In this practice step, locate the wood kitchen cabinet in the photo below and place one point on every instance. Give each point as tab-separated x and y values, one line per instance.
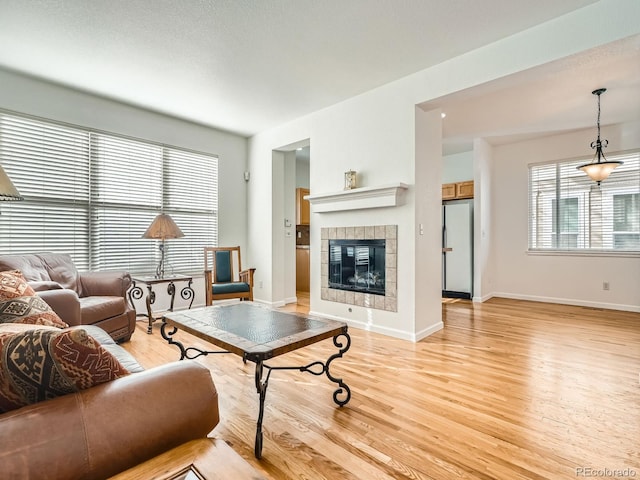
302	269
449	191
458	190
464	189
303	213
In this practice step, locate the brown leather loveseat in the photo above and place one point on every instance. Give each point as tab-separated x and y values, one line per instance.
106	429
87	298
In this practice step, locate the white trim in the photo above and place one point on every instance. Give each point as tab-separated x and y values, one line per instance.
390	332
359	198
570	301
584	253
276	304
482	299
428	331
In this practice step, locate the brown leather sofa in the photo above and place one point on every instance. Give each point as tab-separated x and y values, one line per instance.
87	298
111	427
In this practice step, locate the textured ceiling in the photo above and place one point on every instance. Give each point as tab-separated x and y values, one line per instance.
248	65
546	100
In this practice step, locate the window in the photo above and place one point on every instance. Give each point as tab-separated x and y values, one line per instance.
626	221
565	228
569	211
93	195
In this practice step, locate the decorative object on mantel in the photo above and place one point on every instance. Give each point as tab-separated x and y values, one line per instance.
350	180
600	168
7	190
162	228
359	198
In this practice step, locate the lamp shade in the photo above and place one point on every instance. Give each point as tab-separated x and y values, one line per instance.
7	190
599	171
163	227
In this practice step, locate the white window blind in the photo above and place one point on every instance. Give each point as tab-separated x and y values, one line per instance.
93	195
569	211
49	164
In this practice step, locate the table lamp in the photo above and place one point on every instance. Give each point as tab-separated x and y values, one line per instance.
162	228
7	190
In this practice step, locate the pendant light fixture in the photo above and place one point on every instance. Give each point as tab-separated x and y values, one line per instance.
600	167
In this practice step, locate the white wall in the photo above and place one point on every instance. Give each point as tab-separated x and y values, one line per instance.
375	134
555	278
261	208
457	167
35	97
289	207
428	219
483	226
302	171
31	96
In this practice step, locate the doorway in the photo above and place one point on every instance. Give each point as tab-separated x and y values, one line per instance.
303	225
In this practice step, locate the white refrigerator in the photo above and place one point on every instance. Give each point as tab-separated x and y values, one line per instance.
457	249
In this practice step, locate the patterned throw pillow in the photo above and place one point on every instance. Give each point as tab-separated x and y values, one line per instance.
20	304
44	363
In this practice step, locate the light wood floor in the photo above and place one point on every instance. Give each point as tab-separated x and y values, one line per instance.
507	390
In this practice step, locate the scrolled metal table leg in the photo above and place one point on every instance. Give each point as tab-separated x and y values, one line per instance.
171	291
150	300
135	293
187	293
342	389
261	387
168	336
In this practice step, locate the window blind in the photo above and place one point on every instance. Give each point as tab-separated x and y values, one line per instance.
569	211
93	195
191	198
49	165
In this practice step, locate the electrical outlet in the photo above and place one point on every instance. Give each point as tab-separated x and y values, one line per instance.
605	285
260	284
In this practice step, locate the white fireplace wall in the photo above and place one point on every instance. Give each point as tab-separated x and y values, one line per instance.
375	134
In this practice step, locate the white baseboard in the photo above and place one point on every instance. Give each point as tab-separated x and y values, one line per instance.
482	299
569	301
391	332
278	304
428	331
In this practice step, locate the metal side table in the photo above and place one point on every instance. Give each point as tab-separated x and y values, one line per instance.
136	292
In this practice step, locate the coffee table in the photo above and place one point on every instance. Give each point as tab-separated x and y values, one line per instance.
257	333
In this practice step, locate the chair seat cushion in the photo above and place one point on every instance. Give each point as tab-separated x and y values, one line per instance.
234	287
95	309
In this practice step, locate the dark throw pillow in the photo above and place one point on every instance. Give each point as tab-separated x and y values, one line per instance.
19	303
45	363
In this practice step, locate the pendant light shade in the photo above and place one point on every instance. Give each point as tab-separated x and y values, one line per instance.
600	168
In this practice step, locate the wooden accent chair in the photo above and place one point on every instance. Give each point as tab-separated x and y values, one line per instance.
222	279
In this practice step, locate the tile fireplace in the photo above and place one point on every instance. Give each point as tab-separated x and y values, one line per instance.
359	266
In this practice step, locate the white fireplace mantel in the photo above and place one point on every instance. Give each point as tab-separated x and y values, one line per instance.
359	198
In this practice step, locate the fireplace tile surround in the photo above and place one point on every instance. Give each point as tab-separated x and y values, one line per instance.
388	301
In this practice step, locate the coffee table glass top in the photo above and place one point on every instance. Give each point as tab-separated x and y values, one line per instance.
249	329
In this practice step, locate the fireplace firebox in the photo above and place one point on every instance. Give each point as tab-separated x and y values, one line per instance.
357	265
